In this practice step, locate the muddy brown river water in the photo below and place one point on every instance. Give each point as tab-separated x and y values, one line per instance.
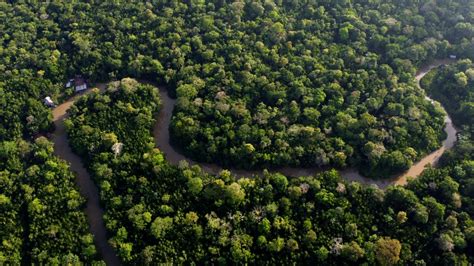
87	187
90	191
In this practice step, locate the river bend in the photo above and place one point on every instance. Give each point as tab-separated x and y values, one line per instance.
162	140
90	191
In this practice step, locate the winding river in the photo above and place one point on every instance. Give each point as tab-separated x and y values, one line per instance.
90	191
162	140
87	187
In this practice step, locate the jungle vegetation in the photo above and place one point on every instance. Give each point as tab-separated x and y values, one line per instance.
258	84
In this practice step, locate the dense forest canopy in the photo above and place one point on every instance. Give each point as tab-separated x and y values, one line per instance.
453	85
40	208
157	212
271	83
258	84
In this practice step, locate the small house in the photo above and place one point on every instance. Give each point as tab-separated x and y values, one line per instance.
49	102
79	84
452	57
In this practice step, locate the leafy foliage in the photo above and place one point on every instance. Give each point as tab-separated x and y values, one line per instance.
258	83
453	85
159	213
262	83
40	207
